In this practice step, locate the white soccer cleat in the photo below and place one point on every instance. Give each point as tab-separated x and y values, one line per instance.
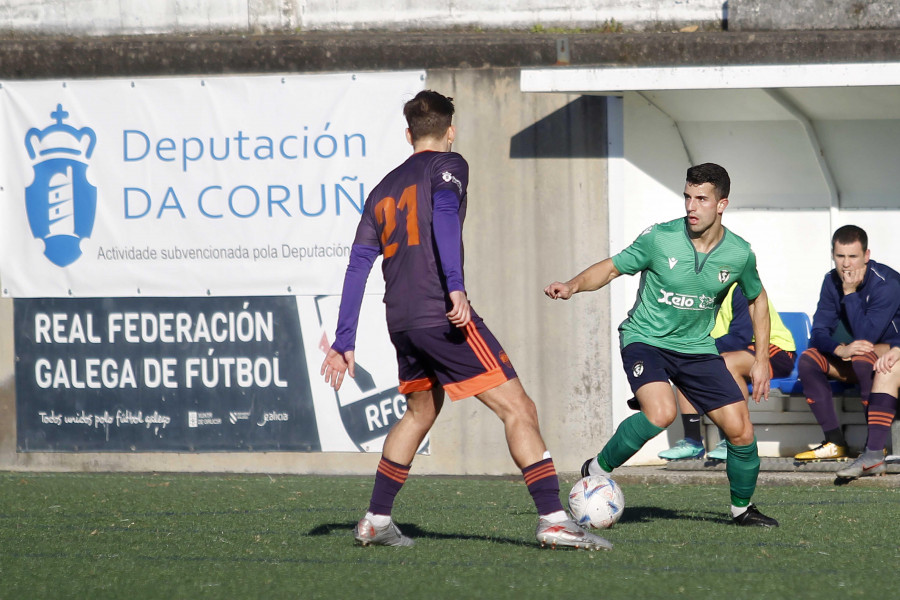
368	535
824	451
567	534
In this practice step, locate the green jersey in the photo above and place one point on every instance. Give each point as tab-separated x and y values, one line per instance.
681	289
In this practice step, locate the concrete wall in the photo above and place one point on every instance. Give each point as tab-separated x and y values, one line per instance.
129	17
106	17
537	209
765	15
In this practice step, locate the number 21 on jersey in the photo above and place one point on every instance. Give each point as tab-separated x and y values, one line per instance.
386	215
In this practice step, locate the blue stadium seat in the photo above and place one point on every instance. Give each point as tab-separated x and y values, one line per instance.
799	325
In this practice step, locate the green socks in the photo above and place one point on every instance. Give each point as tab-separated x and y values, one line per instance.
632	434
742	468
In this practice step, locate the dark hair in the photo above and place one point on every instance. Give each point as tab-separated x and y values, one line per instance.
429	114
849	234
710	173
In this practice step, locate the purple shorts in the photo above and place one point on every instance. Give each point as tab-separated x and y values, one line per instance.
781	362
703	378
465	362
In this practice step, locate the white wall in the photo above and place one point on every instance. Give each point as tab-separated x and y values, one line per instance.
104	17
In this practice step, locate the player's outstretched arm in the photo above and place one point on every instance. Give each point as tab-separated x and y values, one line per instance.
593	278
335	365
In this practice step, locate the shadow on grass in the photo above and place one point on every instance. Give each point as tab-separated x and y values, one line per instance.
646	514
416	532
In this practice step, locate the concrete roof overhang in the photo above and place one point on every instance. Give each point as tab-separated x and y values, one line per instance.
806	136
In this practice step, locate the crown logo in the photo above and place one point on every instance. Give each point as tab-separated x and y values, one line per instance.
60	140
60	203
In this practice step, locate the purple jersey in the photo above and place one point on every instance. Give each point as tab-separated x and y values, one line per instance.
397	218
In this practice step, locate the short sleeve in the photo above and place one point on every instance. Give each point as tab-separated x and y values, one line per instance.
749	280
636	257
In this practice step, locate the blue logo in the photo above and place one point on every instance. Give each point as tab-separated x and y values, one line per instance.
61	204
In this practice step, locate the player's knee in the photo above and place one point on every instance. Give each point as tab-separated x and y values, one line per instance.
526	410
661	416
809	366
742	439
741	433
514	408
422	418
424	406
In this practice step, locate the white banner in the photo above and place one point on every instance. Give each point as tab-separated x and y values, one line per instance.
194	186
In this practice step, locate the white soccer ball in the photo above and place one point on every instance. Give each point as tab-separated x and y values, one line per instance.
596	502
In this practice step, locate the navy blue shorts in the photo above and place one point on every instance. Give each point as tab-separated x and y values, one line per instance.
465	362
703	378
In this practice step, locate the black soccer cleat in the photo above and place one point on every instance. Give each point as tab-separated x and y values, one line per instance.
753	518
585	472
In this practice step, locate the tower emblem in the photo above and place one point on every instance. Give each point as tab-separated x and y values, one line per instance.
61	203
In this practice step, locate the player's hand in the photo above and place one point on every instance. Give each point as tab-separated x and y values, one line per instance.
558	290
886	362
461	313
335	365
759	377
852	279
854	348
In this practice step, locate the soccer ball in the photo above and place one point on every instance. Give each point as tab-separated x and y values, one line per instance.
596	502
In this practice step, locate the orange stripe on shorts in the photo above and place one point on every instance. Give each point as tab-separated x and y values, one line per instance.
476	385
416	385
480	347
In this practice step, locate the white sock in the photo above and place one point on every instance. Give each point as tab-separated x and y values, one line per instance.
595	469
556	517
737	511
378	521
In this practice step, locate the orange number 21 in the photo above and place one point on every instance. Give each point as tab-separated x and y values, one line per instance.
386	214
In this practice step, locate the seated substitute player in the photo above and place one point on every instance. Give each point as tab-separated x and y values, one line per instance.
414	218
879	416
858	312
686	266
733	334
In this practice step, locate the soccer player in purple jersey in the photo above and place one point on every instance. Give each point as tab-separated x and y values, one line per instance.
414	218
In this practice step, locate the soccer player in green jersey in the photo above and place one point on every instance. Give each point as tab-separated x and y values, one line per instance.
686	266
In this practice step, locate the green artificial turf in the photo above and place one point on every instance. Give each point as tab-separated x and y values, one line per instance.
249	536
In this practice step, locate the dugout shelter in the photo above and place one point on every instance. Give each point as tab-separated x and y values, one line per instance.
809	147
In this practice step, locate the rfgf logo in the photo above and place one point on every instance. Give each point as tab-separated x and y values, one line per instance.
60	203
